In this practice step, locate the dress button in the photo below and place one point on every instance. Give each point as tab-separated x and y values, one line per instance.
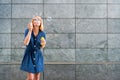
34	52
34	45
35	38
34	65
33	58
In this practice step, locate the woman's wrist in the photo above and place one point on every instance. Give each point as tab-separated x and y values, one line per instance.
30	31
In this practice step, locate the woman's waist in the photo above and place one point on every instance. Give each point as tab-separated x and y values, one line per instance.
32	50
33	47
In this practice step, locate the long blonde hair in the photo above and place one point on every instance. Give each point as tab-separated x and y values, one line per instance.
41	22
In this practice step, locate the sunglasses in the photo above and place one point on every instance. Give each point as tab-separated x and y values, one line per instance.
36	19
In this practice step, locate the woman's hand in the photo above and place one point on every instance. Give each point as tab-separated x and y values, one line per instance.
43	42
30	26
27	38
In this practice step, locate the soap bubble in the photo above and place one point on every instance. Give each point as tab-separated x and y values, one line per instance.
40	14
37	14
49	18
33	16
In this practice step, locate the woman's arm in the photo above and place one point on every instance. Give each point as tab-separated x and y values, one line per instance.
27	38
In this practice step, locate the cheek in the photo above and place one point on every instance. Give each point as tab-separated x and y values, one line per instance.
38	22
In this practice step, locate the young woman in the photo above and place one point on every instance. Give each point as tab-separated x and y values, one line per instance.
35	39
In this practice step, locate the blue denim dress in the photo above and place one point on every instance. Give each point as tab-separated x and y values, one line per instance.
33	61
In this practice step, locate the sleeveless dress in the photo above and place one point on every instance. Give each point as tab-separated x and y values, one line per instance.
33	61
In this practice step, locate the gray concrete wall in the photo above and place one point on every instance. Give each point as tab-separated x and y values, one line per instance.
83	38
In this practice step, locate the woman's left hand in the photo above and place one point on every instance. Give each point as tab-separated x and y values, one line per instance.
43	43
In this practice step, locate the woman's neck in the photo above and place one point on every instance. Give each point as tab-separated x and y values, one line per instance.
36	29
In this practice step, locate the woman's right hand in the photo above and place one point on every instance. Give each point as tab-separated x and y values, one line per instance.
30	26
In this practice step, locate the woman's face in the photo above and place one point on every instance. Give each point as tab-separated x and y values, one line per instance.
36	21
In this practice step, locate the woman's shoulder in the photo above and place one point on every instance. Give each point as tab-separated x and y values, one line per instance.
26	30
43	32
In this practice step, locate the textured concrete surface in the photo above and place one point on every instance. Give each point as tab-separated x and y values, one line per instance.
83	38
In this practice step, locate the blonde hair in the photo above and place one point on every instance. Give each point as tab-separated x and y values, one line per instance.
41	22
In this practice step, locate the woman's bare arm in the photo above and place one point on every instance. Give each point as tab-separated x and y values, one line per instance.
27	38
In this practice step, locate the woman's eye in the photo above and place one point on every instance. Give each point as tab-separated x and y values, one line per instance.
36	19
